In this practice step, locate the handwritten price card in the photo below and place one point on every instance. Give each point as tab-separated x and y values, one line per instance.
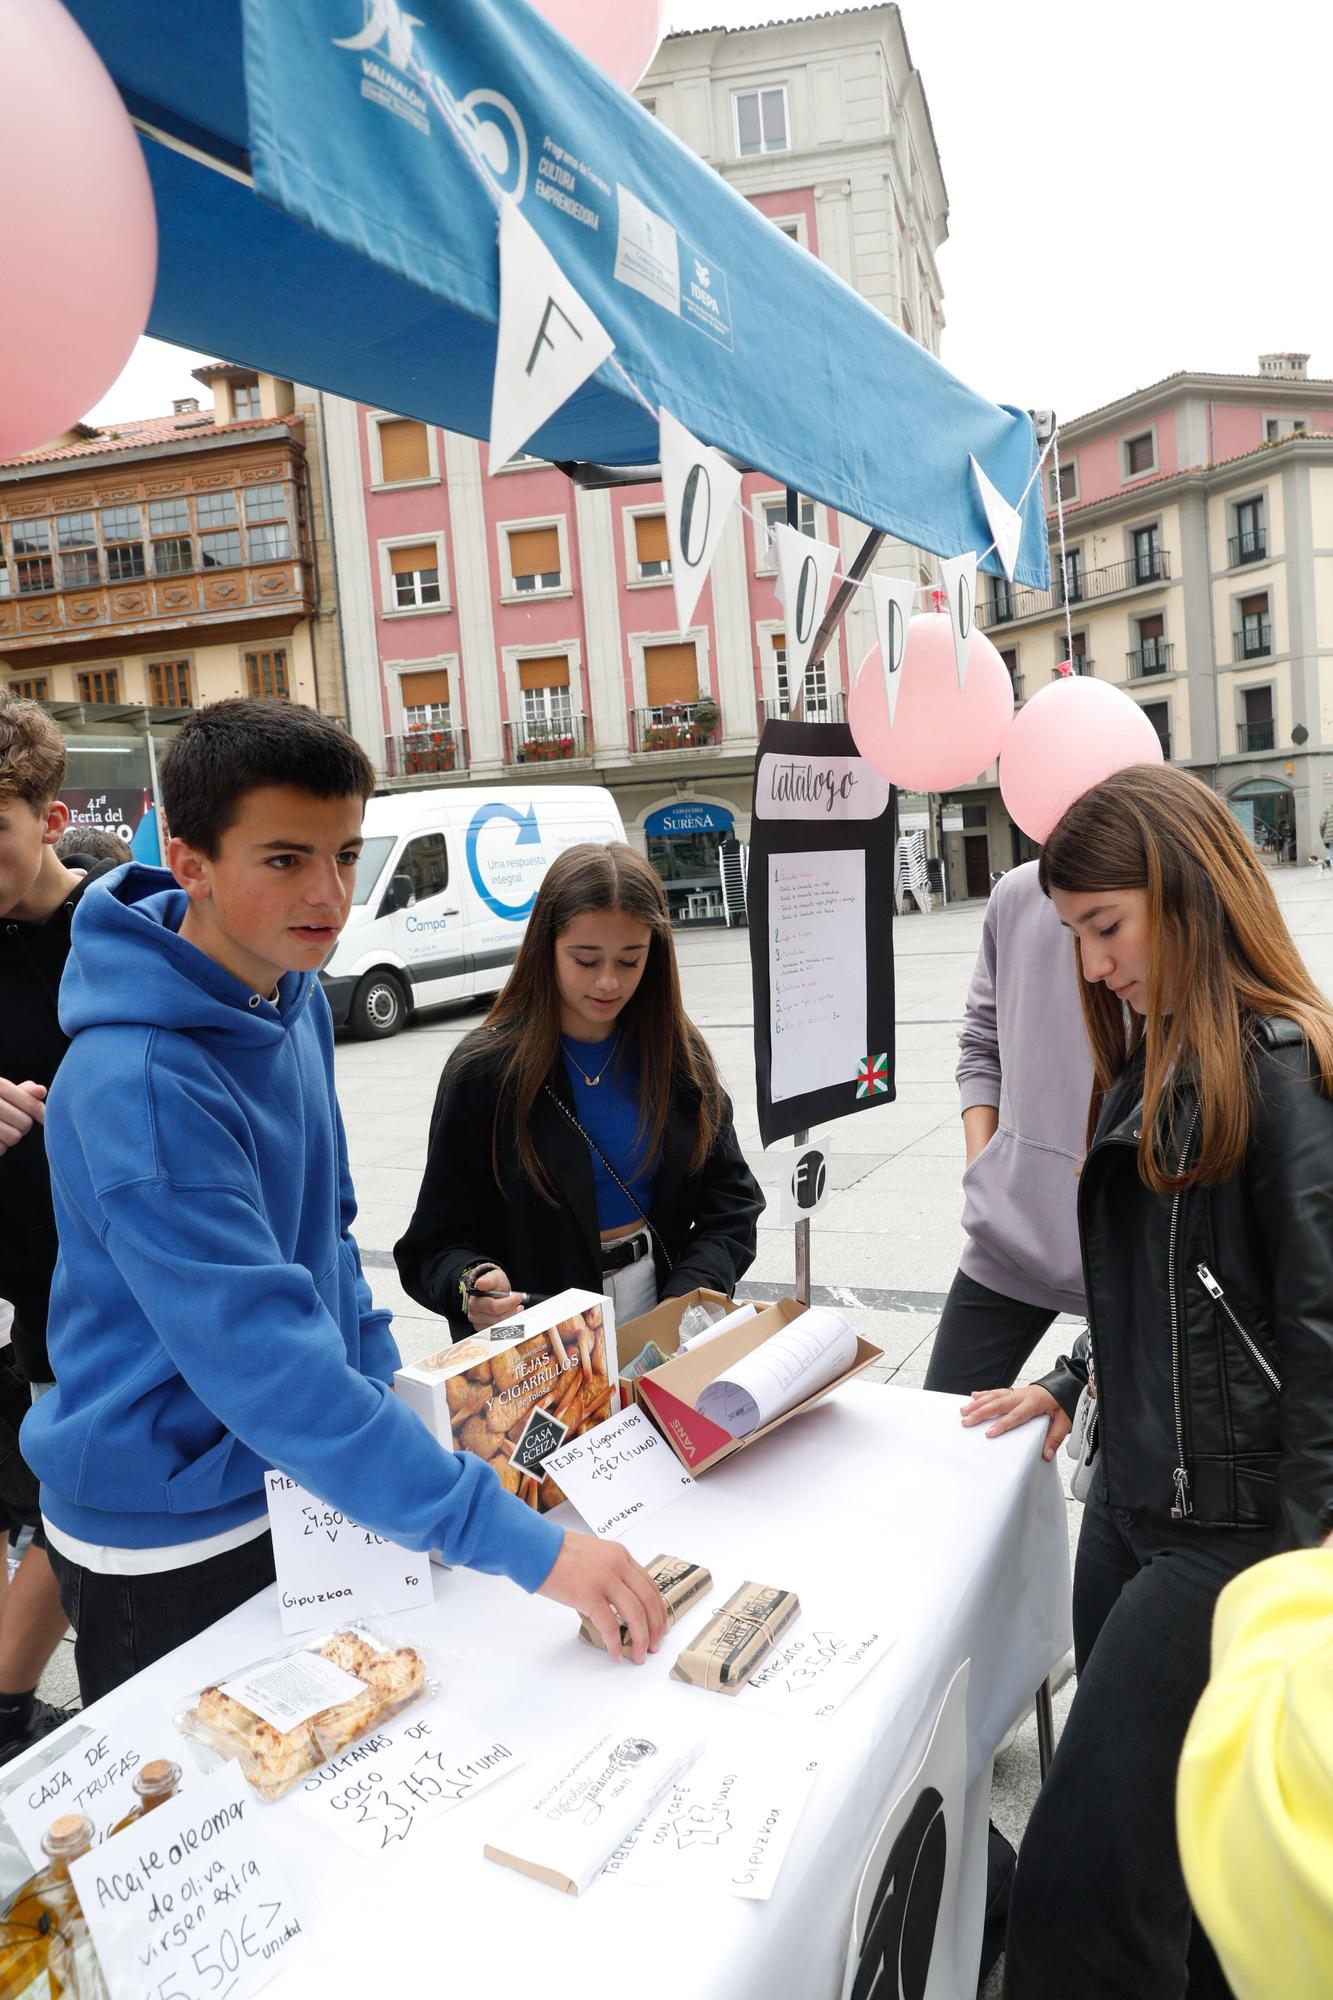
330	1568
619	1473
725	1826
377	1794
191	1901
95	1776
813	1671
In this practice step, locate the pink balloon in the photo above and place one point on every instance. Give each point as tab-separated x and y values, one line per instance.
78	235
1068	738
941	735
620	36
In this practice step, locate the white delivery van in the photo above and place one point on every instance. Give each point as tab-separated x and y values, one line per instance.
444	886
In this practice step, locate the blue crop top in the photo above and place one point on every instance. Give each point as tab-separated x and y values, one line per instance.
609	1112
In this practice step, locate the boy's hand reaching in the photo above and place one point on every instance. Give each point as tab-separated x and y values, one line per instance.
602	1581
22	1105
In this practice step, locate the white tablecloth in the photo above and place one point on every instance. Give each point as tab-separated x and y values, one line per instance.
877	1495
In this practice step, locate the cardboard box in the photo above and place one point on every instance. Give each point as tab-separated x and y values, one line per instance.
668	1394
662	1324
520	1390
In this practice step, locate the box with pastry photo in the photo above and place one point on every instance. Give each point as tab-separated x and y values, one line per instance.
518	1391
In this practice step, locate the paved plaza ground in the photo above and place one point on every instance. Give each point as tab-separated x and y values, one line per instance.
885	1247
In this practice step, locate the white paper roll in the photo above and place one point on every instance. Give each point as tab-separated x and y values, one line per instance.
804	1358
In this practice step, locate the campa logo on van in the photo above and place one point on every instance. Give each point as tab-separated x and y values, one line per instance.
395	76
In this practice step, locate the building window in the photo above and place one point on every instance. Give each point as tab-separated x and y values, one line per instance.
173	556
99	685
1063	480
215	510
220	551
124	562
33	574
814	693
1250	542
671	675
30	538
265	503
1276	427
544	687
1159	714
31	690
1139	454
1077	654
1147	554
761	121
270	543
404	451
76	531
168	517
79	569
1256	627
534	558
245	400
1073	590
426	700
266	676
651	548
121	524
169	683
416	575
775	515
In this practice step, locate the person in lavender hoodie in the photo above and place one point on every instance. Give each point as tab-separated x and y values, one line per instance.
1024	1080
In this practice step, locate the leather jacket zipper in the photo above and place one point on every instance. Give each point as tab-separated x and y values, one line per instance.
1182	1506
1218	1296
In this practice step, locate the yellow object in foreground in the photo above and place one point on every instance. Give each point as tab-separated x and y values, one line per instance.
1255	1794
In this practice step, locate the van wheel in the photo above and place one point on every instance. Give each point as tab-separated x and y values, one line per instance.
378	1008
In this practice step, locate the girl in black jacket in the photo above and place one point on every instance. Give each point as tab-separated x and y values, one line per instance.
582	1136
1206	1219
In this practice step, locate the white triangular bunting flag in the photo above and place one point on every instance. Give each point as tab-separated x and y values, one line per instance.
894	599
1006	523
700	488
960	588
805	571
549	342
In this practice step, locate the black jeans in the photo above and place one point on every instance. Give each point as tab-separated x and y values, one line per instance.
982	1339
1099	1908
123	1623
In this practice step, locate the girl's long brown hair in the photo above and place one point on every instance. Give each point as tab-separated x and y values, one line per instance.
1217	944
653	1024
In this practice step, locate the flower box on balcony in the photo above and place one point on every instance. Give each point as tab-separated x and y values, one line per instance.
544	752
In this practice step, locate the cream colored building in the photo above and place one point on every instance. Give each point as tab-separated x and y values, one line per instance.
1198	538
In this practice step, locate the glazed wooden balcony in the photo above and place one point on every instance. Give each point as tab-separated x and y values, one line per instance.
150	603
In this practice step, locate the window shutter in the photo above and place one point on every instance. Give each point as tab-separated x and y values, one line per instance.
426	690
650	538
1151	628
550	672
671	673
1256	606
534	552
404	561
404	451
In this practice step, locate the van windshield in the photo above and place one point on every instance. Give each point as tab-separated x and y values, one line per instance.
373	857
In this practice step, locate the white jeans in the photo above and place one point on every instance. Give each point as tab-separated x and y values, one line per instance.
632	1291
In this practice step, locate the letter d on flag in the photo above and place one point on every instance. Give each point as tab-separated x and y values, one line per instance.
894	600
960	587
549	342
700	488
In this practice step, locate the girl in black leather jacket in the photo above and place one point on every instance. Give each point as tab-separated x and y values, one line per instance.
1206	1219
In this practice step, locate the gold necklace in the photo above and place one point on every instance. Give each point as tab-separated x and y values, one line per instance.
590	1080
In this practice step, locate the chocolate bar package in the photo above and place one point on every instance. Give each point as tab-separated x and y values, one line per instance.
593	1803
681	1584
737	1638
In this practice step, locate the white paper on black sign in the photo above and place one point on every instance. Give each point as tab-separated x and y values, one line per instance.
700	489
960	586
894	600
805	571
330	1568
549	341
1006	523
192	1901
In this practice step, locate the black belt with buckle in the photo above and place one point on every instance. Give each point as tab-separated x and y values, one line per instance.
625	1251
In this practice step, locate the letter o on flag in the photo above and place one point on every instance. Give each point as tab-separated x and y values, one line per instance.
964	608
696	513
805	601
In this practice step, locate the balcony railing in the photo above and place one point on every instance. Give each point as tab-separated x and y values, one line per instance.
547	742
1250	546
815	708
1253	642
1008	604
676	725
1154	656
425	753
142	605
1254	736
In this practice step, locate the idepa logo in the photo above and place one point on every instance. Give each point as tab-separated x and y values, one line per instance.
394	76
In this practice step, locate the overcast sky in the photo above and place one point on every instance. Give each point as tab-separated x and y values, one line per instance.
1130	192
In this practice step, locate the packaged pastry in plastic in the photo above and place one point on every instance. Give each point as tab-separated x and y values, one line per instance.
285	1716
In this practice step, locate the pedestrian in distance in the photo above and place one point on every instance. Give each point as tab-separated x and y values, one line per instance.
1206	1218
209	1317
582	1135
1326	831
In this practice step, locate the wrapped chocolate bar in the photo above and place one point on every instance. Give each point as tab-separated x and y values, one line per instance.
681	1584
737	1638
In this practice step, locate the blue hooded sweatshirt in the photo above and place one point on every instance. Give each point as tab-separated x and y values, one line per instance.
209	1317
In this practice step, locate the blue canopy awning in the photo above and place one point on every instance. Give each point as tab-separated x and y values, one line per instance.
327	175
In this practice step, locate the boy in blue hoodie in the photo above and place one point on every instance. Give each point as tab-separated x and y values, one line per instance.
209	1317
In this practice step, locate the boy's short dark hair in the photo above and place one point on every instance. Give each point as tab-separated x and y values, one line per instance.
232	747
32	754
